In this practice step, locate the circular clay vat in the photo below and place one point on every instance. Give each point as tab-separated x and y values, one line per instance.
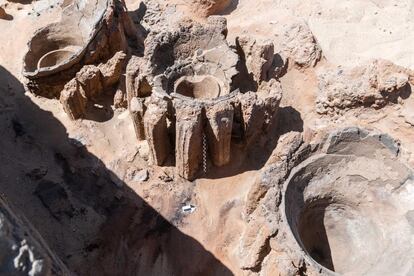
51	47
60	45
351	209
56	57
198	87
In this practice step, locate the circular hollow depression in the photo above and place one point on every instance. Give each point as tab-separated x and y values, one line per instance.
198	87
345	214
51	47
55	57
331	232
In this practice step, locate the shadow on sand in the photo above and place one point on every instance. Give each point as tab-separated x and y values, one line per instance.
69	196
288	119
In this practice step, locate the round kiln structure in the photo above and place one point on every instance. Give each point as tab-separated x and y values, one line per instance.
184	102
87	33
350	208
191	111
60	45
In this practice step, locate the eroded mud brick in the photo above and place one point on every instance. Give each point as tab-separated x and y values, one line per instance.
156	132
73	100
137	110
218	131
189	140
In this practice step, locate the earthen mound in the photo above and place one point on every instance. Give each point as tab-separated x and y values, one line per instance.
374	84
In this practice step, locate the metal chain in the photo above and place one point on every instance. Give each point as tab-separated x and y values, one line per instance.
204	153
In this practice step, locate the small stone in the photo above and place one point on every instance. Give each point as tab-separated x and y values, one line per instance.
300	45
165	178
141	176
143	150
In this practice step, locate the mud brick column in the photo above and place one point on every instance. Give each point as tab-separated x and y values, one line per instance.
156	132
189	139
218	131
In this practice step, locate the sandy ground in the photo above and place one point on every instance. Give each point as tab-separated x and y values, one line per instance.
348	31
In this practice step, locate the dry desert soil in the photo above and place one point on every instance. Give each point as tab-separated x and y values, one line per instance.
206	137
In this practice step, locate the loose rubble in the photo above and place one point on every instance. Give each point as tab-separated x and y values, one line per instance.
375	85
300	45
22	250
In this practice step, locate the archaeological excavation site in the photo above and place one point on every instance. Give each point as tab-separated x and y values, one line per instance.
206	137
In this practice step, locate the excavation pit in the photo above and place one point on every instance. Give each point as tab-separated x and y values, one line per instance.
348	208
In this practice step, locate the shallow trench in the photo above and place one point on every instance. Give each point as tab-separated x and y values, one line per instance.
350	209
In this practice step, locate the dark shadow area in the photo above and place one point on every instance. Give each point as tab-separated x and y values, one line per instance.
279	66
244	80
312	233
139	13
404	93
24	2
307	220
137	16
5	16
287	119
94	226
232	7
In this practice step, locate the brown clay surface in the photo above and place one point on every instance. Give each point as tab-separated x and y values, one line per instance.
124	216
